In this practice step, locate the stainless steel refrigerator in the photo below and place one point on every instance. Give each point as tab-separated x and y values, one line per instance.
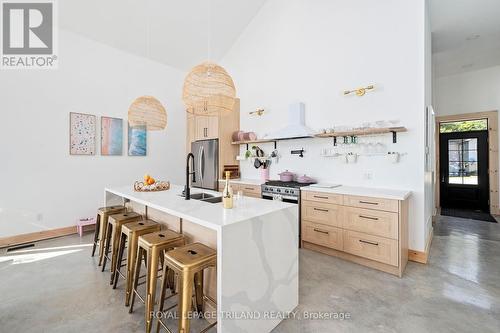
206	164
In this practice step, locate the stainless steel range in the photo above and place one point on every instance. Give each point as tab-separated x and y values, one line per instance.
284	191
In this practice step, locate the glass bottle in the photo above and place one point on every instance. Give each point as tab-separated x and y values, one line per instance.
227	195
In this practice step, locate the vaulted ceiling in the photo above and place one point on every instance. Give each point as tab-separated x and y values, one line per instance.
466	35
174	32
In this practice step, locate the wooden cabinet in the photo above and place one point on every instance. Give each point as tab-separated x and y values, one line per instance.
322	235
206	127
372	247
371	221
219	127
367	230
248	190
371	203
322	213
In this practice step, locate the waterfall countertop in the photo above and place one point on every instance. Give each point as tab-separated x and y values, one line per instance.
210	215
257	252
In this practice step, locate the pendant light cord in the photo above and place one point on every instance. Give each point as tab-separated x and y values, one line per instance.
209	30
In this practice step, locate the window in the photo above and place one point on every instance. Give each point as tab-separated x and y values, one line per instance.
464	126
462	161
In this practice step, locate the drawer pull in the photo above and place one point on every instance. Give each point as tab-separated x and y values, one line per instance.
321	231
368	217
321	210
368	203
367	242
249	188
320	197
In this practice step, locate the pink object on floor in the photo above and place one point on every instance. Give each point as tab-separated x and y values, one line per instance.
80	223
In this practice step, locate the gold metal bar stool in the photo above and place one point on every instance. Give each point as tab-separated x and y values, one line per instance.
152	246
101	225
188	262
113	232
130	235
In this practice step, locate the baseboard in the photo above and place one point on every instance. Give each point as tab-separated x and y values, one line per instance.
419	256
36	236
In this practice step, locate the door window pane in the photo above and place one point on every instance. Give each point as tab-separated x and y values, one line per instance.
469	156
470	173
455	145
464	126
455	156
462	161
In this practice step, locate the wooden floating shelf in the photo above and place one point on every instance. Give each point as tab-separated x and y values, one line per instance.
362	132
253	141
369	131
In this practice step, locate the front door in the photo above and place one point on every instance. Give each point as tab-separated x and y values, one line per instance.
464	170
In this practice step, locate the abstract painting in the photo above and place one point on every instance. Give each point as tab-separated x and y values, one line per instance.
137	140
111	136
82	134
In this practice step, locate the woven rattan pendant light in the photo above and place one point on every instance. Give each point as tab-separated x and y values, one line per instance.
147	110
208	90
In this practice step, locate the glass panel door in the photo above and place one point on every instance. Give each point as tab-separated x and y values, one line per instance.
462	161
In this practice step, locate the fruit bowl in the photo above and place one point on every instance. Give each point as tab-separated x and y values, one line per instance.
156	187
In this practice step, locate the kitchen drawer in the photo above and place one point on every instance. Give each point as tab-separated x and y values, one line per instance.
323	213
250	190
322	197
371	221
371	247
322	235
371	203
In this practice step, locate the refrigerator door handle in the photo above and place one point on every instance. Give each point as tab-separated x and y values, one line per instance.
201	163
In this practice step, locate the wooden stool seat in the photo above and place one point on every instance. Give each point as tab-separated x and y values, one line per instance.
152	246
101	226
188	262
113	232
130	234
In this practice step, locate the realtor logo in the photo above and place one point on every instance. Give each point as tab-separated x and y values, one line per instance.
28	34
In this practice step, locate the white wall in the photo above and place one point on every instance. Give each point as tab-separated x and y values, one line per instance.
474	91
42	186
311	51
430	169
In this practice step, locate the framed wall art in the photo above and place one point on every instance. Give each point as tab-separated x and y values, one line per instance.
82	134
111	136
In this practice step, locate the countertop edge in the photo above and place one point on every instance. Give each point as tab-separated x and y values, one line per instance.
358	191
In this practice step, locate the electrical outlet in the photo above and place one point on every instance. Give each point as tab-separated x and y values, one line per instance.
368	175
39	217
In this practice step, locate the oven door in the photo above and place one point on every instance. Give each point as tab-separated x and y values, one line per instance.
268	196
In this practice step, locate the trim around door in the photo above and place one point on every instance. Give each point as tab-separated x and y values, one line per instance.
492	117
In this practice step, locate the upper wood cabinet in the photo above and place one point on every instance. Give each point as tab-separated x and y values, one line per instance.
206	127
216	127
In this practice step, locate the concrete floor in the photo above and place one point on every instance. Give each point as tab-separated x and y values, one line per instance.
57	287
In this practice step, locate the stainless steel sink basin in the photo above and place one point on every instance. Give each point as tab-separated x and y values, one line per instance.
213	200
201	196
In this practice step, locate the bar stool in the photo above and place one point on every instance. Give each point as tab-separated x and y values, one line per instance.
151	247
113	232
188	262
130	235
100	227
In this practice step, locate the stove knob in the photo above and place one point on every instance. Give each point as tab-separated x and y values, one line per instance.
287	191
278	190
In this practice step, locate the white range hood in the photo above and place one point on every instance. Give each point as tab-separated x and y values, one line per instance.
296	127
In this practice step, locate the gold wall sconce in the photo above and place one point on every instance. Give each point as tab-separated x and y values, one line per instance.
359	91
258	112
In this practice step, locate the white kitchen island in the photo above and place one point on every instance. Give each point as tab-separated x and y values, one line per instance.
257	253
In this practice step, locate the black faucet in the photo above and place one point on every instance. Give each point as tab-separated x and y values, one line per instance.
187	191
